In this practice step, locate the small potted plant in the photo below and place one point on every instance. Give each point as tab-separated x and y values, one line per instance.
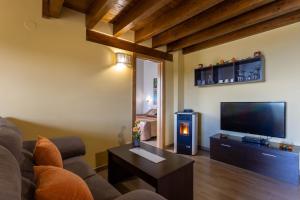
136	135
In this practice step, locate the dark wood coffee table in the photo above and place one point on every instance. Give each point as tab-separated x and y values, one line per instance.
172	178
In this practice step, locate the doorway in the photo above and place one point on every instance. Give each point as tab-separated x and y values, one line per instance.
148	106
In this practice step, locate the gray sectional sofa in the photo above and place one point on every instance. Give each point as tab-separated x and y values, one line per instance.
16	168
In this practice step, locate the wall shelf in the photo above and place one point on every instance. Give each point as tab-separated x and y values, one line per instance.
249	70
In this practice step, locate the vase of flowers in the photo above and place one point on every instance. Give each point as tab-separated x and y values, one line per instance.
136	135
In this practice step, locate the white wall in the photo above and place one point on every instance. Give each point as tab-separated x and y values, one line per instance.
282	53
146	72
139	86
150	72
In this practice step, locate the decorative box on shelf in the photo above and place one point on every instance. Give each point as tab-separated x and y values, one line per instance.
247	70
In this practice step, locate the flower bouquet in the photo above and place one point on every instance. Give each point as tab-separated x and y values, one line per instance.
136	135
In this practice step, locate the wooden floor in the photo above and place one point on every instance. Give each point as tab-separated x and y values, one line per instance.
215	180
152	141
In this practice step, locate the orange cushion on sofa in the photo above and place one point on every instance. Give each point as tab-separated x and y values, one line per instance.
54	183
46	153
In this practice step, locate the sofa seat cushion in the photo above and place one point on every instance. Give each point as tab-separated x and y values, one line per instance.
55	183
10	176
141	194
78	166
28	189
101	189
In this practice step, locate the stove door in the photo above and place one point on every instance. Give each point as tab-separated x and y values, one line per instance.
184	134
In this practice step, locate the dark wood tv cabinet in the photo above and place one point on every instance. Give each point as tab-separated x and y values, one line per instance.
269	161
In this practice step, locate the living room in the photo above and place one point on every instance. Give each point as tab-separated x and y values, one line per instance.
59	80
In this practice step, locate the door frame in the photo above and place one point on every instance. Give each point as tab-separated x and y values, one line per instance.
161	111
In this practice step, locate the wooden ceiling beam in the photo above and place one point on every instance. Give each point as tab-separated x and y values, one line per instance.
184	11
141	10
208	18
246	32
45	10
96	11
267	12
100	38
52	8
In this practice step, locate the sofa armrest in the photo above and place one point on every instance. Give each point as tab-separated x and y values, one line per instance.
68	146
141	194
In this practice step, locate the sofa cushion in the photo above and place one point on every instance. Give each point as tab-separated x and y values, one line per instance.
78	166
12	141
101	189
10	176
28	189
141	194
46	153
27	165
59	184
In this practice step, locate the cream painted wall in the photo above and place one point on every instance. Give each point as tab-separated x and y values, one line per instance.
55	83
282	53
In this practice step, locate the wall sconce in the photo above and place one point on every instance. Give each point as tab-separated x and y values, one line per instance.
148	100
123	58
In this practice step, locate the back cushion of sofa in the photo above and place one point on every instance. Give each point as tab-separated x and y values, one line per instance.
11	138
8	124
10	176
27	165
11	141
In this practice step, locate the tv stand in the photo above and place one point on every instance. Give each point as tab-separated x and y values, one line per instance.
266	160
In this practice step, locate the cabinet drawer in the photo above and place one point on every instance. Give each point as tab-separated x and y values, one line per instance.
228	152
272	162
276	165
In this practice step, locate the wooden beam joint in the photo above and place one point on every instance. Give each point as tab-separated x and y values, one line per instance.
140	11
206	19
265	13
182	12
278	22
52	8
96	12
104	39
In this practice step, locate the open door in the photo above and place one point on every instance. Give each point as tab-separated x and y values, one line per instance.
148	102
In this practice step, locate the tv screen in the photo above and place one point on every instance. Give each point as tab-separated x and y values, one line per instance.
260	118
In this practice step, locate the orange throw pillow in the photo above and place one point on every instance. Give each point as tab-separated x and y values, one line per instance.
46	153
54	183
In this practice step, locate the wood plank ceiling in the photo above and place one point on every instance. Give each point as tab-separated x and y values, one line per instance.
189	25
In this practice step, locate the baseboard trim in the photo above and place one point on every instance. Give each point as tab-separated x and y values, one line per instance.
204	148
169	146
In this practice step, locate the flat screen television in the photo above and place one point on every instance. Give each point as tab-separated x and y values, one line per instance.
260	118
